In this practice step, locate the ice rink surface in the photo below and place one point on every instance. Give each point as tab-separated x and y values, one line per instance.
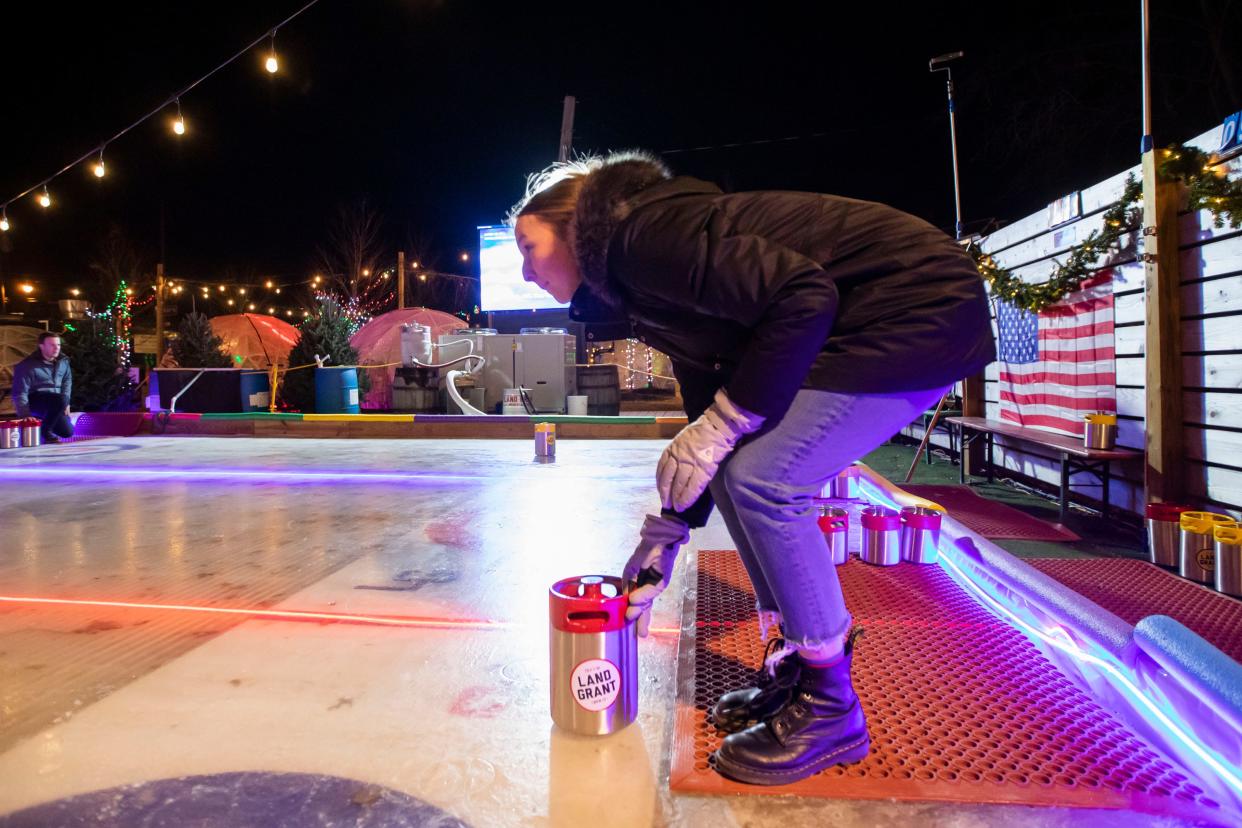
441	717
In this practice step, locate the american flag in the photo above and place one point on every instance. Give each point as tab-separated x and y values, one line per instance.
1059	364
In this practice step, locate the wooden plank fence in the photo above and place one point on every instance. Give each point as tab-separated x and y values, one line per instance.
1211	287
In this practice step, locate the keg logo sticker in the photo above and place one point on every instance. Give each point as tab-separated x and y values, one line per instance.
1207	559
595	684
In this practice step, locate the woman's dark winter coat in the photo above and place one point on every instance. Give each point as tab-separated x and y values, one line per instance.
764	293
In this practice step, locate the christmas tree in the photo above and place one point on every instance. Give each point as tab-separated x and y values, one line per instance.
100	381
196	346
325	334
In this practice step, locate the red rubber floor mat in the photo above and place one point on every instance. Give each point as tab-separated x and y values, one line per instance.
1133	590
989	518
961	707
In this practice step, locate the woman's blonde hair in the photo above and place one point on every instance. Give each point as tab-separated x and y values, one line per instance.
552	194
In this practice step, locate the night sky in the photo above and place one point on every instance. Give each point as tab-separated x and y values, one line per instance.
436	111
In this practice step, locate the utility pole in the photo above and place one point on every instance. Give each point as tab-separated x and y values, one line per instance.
159	312
567	129
1163	479
400	278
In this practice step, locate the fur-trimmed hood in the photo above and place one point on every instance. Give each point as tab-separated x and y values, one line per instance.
603	203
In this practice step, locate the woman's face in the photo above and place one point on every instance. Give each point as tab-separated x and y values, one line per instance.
546	259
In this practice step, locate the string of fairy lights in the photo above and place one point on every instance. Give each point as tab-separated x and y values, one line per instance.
176	123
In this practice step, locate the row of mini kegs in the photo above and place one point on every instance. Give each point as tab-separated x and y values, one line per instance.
888	536
1203	546
18	433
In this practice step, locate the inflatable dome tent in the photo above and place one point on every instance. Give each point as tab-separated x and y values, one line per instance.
379	342
260	340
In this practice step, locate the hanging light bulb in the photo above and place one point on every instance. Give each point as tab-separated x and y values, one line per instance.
270	64
288	313
230	303
242	291
178	125
251	306
268	284
99	169
4	220
45	199
271	310
278	290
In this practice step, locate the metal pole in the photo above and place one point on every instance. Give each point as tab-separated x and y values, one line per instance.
1146	144
957	191
159	312
567	129
400	278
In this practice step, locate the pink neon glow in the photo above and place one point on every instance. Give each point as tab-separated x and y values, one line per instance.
423	622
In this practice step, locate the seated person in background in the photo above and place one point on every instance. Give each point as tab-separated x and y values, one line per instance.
41	386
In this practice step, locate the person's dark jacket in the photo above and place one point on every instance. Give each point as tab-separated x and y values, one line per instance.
35	375
764	293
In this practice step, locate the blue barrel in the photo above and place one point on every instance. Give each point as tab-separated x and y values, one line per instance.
336	391
256	391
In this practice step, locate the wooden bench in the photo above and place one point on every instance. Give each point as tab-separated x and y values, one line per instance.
1074	456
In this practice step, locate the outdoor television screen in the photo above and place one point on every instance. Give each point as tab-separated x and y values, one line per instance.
500	272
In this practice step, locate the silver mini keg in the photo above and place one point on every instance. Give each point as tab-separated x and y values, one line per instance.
32	432
845	484
593	654
920	534
881	541
834	522
1164	532
1196	556
10	434
1228	548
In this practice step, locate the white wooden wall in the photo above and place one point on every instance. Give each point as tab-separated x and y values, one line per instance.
1211	276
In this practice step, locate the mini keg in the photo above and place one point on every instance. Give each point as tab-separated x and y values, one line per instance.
1099	431
1164	527
845	484
32	433
1196	556
834	522
545	441
1228	551
10	434
593	656
881	541
920	534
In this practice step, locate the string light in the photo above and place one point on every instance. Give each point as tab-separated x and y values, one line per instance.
4	220
251	306
45	200
271	64
99	169
178	125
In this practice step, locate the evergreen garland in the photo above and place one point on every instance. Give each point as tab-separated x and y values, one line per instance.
99	383
1208	186
197	346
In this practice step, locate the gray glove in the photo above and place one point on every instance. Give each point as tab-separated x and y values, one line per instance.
648	571
690	461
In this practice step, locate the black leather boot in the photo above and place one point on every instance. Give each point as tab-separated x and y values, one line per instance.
771	691
822	725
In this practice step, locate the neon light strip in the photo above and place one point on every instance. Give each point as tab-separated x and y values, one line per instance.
1184	735
1229	774
301	615
258	475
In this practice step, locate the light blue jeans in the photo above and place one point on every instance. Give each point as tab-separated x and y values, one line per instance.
765	491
